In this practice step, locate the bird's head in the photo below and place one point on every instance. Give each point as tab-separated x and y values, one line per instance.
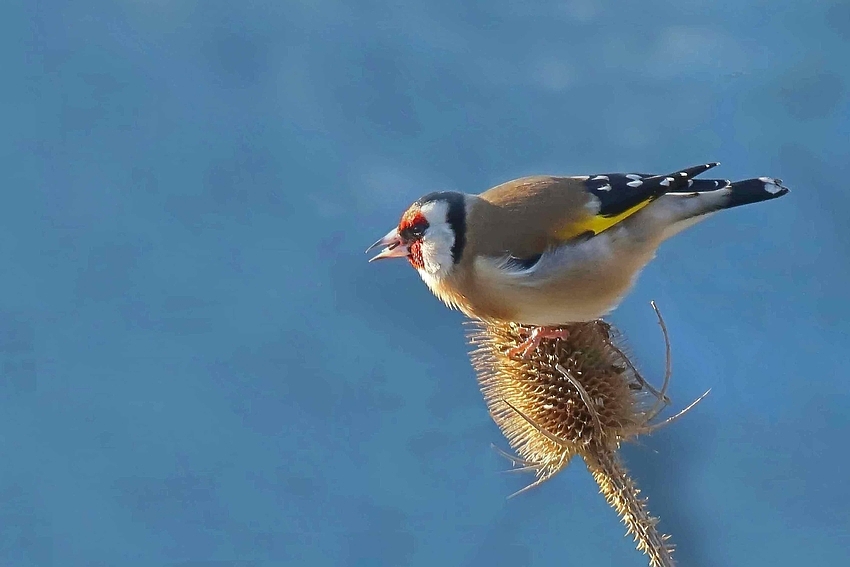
431	234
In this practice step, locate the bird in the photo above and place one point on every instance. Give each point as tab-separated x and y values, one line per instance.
548	251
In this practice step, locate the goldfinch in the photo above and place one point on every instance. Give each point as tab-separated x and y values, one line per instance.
546	251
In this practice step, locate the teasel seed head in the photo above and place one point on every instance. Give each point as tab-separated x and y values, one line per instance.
579	395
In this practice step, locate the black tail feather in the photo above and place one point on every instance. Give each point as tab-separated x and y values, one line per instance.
755	190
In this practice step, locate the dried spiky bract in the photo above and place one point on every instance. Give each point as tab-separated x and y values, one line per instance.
578	395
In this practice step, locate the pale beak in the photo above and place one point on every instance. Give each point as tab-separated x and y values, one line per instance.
393	246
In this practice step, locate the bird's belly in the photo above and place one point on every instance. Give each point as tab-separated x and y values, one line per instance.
552	310
582	287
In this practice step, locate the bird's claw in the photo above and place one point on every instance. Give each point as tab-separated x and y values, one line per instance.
537	334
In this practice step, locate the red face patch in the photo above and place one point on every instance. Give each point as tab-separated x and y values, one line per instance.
415	255
412	226
412	218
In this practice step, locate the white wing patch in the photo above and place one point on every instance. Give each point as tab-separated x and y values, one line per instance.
771	185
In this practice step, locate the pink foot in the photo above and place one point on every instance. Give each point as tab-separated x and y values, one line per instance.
529	345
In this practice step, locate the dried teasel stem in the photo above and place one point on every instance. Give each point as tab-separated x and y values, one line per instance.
621	493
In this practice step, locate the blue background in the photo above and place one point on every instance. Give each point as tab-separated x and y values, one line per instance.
199	368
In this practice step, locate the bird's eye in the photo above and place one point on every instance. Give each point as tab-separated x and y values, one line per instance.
413	229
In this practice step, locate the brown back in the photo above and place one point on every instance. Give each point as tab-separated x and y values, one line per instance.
500	217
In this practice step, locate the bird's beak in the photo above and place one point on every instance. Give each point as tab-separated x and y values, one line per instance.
393	247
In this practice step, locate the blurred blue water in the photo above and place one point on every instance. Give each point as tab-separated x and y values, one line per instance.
199	368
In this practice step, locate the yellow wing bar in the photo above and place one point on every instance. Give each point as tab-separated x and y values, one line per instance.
599	223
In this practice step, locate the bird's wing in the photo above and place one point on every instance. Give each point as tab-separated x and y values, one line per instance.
617	196
535	214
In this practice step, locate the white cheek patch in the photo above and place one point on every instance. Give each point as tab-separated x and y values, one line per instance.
437	242
437	250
